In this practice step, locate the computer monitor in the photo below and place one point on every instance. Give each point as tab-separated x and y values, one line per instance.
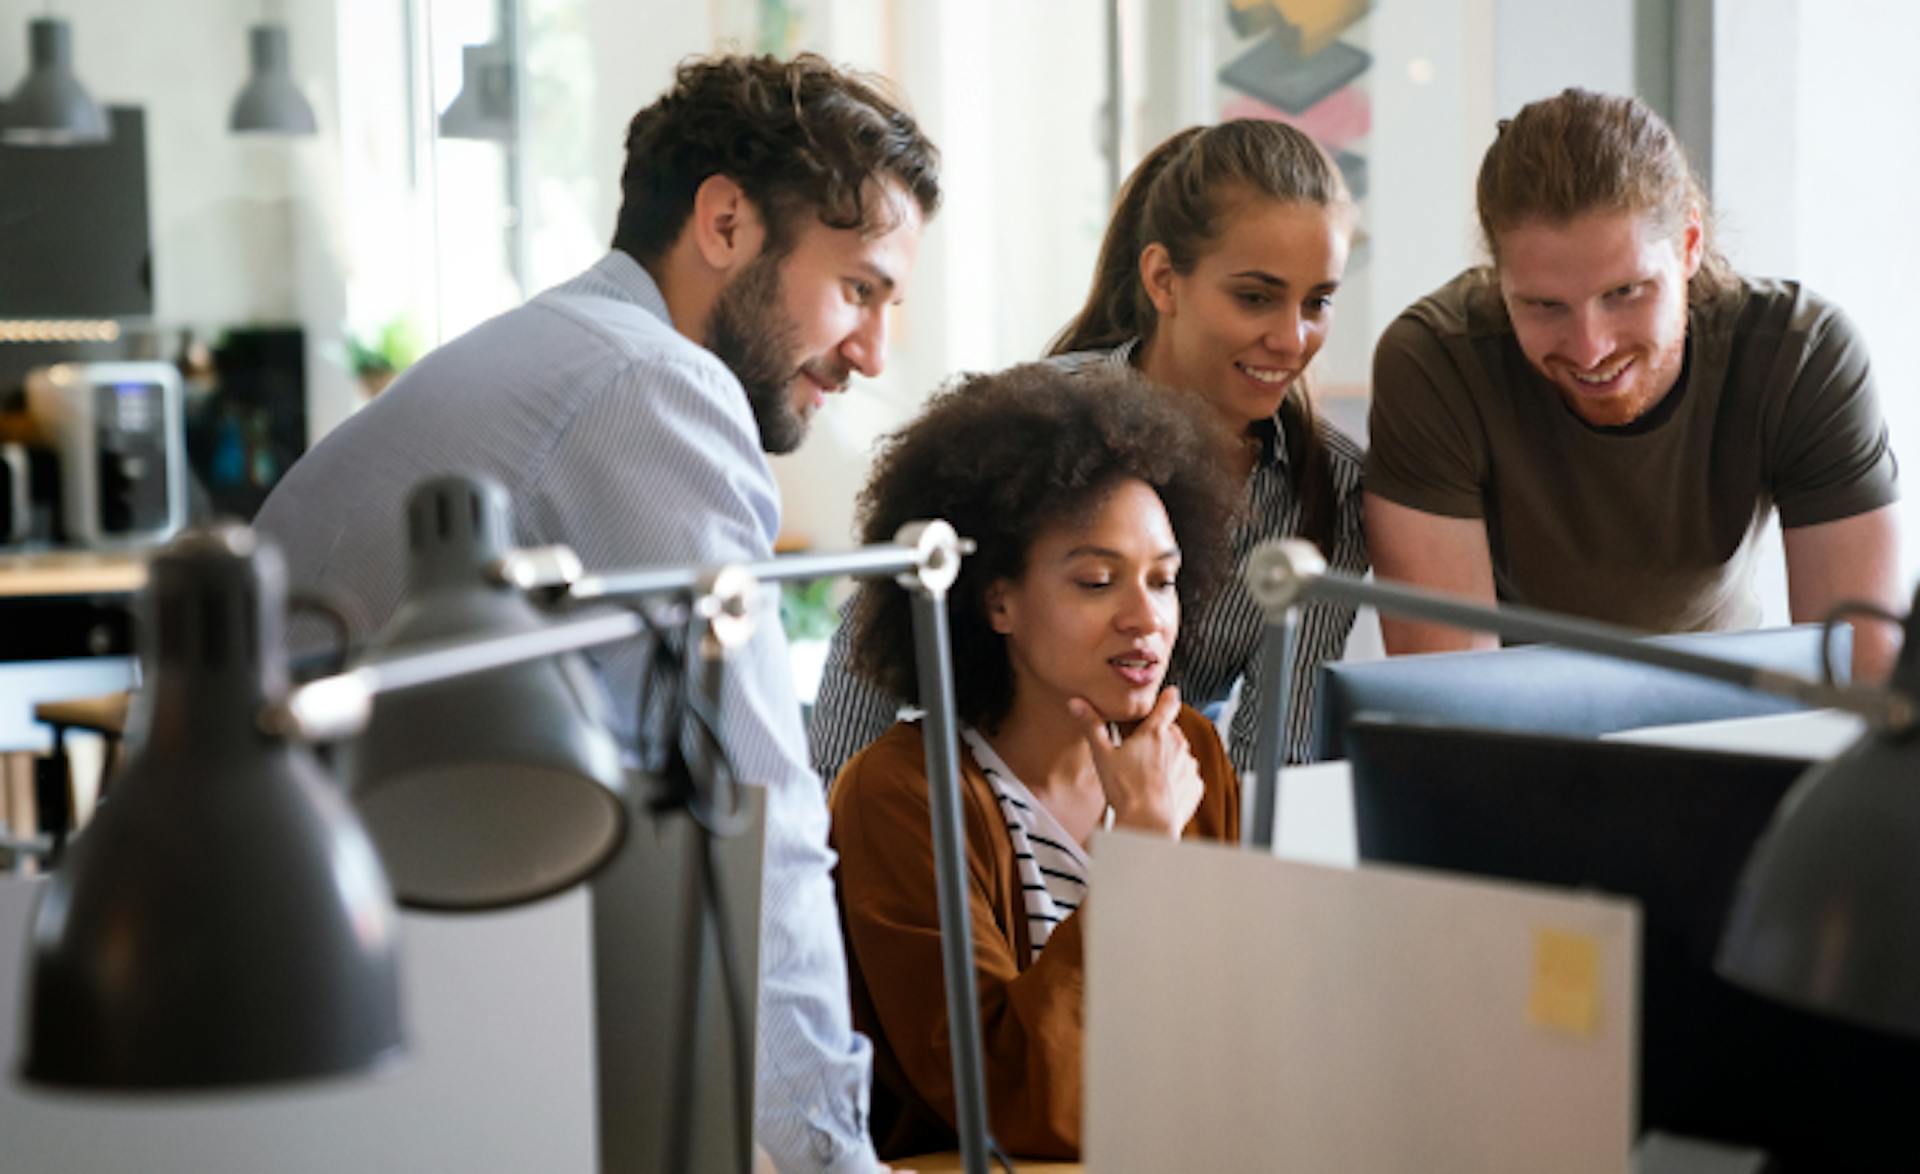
1554	690
1671	828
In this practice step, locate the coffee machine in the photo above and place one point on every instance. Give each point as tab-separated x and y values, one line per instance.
114	436
92	447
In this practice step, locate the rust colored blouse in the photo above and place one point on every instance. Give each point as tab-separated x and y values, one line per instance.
1031	1019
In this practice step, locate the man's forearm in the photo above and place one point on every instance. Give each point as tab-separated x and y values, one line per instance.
1854	559
1432	551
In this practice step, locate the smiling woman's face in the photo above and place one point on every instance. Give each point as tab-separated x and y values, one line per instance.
1095	614
1242	325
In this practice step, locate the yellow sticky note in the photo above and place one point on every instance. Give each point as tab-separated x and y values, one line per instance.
1566	982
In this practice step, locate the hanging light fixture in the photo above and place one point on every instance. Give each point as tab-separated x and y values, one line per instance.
51	108
484	107
270	102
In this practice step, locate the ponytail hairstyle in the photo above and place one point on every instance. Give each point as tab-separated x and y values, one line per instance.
1580	152
1179	197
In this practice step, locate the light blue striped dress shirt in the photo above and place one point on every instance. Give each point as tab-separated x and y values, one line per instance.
623	439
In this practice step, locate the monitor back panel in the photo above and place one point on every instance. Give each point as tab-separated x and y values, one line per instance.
1558	690
1672	829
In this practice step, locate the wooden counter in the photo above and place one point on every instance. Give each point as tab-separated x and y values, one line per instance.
71	572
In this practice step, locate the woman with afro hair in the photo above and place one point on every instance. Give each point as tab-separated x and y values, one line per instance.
1100	513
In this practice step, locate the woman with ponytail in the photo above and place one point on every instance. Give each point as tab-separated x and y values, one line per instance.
1216	281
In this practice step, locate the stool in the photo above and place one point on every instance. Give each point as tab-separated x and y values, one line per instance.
22	846
105	715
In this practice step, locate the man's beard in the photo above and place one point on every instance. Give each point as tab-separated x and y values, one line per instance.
1655	375
751	332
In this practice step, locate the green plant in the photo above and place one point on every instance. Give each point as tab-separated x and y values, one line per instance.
807	611
388	352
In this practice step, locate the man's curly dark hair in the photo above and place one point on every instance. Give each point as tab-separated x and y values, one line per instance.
1006	456
797	136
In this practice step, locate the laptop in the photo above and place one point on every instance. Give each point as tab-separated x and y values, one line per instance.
1250	1013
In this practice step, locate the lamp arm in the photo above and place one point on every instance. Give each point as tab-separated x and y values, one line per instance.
1283	573
919	548
722	621
1270	747
339	705
933	658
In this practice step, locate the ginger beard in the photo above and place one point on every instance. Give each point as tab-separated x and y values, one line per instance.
1598	305
1622	387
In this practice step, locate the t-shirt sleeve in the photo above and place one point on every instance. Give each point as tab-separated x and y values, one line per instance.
1426	448
1831	455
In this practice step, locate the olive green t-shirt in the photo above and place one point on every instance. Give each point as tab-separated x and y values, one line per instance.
1653	524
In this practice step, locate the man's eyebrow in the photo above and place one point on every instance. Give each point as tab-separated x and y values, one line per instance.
1637	278
880	276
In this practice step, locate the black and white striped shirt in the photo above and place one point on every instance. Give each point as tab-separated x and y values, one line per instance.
1052	868
1219	641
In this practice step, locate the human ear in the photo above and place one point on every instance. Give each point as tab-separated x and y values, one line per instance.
1693	242
1000	611
726	227
1156	277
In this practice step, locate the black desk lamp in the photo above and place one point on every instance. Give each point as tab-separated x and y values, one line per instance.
490	789
478	737
1825	913
226	921
223	920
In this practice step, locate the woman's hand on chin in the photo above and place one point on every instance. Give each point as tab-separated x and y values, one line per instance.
1151	778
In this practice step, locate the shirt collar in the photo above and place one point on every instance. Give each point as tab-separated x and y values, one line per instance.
632	280
1273	450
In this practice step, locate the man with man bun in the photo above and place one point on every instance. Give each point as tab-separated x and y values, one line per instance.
1602	420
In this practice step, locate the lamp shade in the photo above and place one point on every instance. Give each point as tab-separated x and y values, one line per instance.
498	787
1825	915
270	102
50	107
484	107
223	920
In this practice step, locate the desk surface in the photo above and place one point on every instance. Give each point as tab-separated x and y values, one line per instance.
71	572
499	1076
1812	735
